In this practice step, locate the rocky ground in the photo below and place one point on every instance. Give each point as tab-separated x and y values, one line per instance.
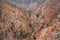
40	23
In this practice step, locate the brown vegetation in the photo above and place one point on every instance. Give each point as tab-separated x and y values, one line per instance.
36	24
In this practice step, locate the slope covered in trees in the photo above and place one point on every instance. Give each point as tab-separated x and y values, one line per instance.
35	21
